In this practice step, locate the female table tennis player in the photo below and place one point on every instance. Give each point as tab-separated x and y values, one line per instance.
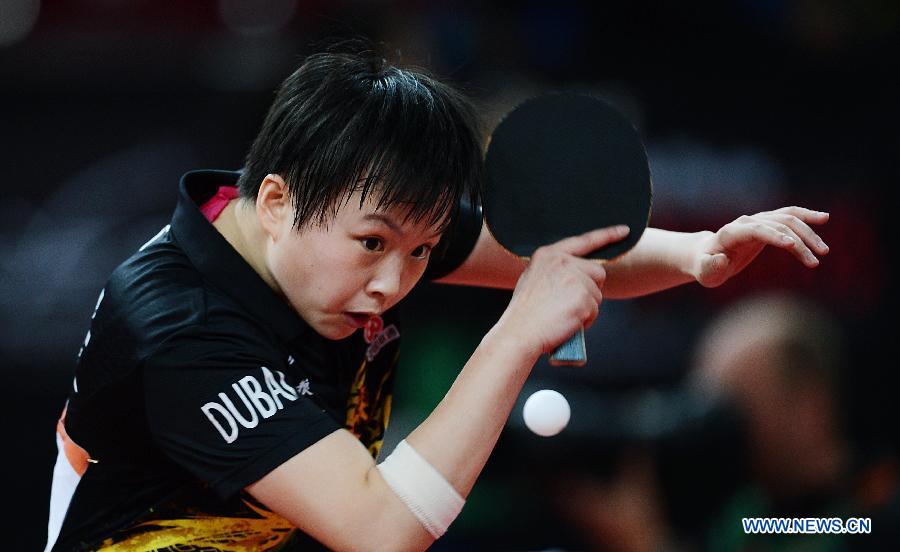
234	387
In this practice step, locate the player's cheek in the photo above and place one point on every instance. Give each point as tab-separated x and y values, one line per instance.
413	275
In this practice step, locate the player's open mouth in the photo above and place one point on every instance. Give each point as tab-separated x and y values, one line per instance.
356	319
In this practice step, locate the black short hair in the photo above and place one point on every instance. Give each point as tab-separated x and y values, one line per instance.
348	121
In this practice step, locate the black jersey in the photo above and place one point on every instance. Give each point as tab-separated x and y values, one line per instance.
195	380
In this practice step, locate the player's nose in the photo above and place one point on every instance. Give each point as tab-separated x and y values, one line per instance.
386	280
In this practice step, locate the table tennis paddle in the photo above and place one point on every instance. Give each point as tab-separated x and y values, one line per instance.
559	165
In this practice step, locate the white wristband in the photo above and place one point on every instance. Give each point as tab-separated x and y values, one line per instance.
426	493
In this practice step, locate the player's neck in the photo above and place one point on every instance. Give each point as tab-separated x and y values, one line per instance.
239	226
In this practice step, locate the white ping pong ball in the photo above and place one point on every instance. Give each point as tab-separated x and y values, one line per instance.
546	412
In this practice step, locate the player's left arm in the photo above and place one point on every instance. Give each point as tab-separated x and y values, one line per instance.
664	259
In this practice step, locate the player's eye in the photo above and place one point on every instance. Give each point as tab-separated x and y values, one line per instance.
372	244
421	252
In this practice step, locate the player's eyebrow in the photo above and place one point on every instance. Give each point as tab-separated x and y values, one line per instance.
390	223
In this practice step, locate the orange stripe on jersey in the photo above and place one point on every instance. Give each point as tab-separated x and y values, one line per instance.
77	456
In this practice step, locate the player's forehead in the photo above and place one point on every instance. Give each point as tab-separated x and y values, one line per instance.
398	217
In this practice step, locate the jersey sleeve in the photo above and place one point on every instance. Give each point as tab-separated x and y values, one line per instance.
224	406
457	242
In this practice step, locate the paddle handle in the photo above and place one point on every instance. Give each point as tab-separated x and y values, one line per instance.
572	352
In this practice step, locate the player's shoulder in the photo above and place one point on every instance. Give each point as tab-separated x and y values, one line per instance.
158	293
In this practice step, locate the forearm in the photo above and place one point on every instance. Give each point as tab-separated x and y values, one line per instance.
660	260
458	436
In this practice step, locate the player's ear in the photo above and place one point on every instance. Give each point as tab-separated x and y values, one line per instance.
273	205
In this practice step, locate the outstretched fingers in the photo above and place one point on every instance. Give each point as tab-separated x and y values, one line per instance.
801	227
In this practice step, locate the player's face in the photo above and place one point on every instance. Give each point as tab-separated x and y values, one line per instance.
361	264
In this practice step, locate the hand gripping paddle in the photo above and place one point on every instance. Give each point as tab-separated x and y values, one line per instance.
559	165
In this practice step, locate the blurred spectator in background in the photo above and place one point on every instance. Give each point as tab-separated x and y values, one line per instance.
780	360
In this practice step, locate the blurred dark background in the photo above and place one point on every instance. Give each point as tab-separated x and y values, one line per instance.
745	106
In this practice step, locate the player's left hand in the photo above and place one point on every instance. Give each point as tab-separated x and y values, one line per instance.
720	255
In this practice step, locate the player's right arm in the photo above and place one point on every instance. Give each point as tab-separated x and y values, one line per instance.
334	491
